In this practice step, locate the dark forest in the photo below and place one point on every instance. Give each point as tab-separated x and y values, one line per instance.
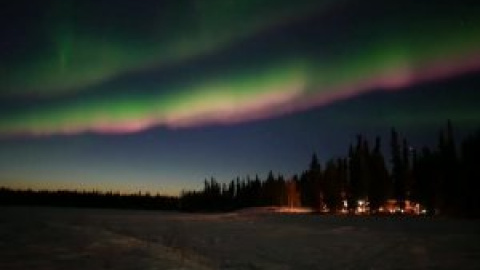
438	181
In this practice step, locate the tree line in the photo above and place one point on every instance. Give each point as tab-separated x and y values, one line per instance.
442	180
89	199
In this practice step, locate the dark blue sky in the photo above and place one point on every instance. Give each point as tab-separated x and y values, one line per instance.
169	160
158	95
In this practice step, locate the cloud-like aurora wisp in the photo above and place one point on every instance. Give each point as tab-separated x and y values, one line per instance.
282	70
70	45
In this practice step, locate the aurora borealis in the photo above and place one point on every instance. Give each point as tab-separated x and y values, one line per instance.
83	75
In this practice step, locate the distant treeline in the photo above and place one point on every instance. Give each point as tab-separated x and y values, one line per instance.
90	199
443	180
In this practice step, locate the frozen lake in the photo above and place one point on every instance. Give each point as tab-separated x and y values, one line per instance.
69	238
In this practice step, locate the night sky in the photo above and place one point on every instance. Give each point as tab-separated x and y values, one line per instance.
158	95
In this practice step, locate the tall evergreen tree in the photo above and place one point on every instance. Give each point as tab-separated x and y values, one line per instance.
407	180
316	184
452	187
398	175
359	172
470	202
379	190
333	188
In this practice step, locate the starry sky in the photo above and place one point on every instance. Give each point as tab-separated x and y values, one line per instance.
158	95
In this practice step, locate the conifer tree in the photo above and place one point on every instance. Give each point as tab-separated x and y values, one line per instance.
315	182
379	183
397	169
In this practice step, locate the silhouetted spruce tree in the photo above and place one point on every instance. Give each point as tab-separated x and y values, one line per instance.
269	189
231	194
314	178
407	170
333	186
441	182
451	189
342	164
352	179
257	187
281	192
398	169
365	163
306	186
359	172
470	202
379	190
425	173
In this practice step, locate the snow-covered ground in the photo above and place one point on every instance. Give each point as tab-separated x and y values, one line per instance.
68	238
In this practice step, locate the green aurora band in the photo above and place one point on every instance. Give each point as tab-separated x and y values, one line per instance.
77	86
81	43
